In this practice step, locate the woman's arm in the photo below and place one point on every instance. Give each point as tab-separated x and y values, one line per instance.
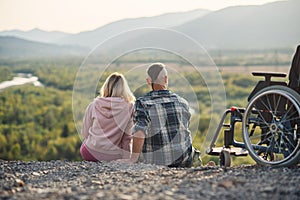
87	121
126	141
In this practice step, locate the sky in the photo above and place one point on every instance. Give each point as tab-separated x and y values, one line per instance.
74	16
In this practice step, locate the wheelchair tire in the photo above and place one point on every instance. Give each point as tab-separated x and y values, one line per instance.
225	160
274	110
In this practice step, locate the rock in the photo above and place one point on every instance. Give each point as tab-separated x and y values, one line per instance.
226	183
19	183
35	174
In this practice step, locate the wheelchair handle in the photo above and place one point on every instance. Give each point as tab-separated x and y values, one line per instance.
268	75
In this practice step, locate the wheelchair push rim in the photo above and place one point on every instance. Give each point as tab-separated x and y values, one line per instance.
271	126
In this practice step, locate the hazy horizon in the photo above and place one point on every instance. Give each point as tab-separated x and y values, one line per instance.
69	17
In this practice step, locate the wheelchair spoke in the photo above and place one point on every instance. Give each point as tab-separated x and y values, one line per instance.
263	124
270	107
263	103
263	119
290	119
260	136
289	142
277	105
288	130
286	113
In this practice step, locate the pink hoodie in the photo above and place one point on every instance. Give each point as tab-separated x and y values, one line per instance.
107	126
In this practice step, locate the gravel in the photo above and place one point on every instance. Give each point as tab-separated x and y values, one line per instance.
88	180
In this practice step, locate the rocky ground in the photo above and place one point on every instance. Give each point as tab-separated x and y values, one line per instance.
88	180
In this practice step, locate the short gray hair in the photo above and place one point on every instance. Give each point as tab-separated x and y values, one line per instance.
157	72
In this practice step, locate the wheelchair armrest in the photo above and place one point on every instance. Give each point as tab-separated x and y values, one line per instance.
268	75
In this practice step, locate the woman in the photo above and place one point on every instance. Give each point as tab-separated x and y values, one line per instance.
108	121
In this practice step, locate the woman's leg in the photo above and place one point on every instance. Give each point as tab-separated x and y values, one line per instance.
107	157
85	153
90	155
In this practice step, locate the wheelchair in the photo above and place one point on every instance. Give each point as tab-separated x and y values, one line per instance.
270	123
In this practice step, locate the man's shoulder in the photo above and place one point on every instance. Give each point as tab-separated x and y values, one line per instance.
143	98
180	98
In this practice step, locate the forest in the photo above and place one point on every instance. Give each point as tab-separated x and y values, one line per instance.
36	123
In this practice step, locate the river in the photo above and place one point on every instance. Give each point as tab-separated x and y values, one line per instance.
21	79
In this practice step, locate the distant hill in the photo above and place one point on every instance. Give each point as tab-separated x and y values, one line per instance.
18	48
93	38
271	25
36	35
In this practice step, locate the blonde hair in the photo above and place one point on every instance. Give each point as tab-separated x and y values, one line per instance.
116	86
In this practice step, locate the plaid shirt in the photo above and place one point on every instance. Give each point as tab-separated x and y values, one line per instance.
164	118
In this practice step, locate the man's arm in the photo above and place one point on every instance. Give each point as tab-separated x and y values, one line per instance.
137	145
141	121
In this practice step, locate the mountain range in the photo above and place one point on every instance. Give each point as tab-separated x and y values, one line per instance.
272	25
37	35
92	38
13	47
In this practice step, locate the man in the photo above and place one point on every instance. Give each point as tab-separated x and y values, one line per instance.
161	132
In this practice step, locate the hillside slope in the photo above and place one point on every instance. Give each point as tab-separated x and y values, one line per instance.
16	47
36	35
94	37
271	25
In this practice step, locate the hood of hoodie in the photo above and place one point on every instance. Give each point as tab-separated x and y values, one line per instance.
111	107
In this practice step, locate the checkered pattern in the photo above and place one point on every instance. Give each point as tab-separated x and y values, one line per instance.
164	118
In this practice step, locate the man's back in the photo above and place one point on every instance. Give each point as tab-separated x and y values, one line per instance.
161	132
164	118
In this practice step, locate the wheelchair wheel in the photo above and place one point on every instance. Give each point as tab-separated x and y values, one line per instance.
271	126
225	160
